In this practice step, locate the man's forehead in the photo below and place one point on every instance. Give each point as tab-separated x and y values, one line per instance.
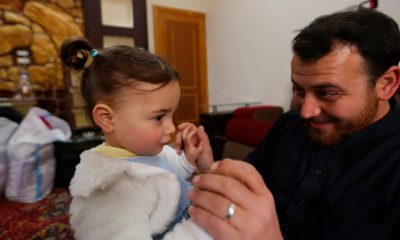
344	58
339	50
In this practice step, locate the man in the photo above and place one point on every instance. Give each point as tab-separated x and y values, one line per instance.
332	168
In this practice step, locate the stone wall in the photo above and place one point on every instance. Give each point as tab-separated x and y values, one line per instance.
39	26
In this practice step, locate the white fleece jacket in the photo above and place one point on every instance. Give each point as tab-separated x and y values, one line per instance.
118	199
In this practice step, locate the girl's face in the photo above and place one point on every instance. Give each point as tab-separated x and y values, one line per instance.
142	120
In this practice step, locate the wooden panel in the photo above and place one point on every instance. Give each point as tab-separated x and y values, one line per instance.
80	118
185	111
183	53
77	100
179	37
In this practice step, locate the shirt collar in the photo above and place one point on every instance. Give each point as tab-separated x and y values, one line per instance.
113	152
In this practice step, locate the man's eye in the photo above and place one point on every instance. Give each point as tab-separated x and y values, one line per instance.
328	95
297	91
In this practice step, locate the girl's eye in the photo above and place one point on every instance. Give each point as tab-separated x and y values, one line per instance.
158	118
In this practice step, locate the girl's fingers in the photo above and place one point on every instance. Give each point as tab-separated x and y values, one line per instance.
188	139
183	125
178	143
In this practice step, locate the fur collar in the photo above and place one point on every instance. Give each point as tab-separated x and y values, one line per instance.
96	171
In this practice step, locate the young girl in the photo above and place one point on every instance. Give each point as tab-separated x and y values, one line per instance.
134	185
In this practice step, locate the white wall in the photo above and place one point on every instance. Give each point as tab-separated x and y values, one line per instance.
248	43
390	7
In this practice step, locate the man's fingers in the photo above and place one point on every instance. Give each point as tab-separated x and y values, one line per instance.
218	205
217	227
227	187
239	183
242	171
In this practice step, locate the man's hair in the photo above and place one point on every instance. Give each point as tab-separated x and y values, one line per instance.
375	35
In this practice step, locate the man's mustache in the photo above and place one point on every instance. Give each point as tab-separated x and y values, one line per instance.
320	119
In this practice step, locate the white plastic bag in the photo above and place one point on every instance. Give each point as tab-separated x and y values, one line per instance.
7	129
31	155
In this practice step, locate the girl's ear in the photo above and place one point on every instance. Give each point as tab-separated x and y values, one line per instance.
388	83
103	117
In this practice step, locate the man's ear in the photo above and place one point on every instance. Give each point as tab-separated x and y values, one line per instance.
388	83
103	117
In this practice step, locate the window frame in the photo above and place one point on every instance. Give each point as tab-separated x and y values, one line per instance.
94	30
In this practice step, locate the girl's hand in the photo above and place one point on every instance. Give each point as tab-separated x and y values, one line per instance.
179	142
205	158
194	141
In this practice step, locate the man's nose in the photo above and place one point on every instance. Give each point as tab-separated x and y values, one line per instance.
310	107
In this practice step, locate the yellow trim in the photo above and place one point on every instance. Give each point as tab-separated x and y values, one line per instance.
113	152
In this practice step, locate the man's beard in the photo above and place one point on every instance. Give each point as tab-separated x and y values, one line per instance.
343	127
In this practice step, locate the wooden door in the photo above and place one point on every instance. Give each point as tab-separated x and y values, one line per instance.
179	38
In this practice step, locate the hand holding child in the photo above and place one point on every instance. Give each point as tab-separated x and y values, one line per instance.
194	141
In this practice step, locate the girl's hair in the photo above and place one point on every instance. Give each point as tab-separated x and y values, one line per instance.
107	72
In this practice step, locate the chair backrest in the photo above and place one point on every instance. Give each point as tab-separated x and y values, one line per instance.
247	127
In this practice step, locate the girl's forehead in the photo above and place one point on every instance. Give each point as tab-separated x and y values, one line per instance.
146	86
149	91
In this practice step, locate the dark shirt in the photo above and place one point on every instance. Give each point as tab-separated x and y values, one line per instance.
349	191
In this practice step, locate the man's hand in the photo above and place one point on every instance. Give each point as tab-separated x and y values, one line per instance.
237	182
